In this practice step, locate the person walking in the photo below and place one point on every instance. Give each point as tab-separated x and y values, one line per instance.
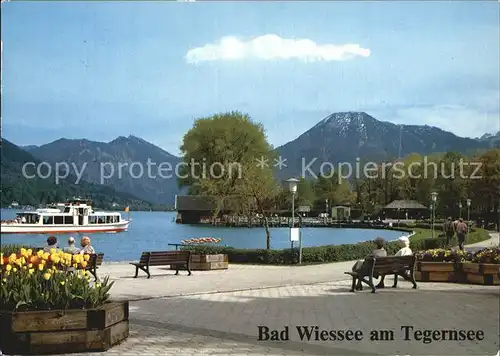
462	231
449	230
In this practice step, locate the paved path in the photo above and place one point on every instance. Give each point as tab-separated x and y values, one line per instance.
227	323
494	241
218	312
164	283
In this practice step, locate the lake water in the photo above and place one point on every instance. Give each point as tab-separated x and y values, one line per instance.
150	231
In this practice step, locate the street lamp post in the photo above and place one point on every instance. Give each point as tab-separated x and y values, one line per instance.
460	206
292	185
326	211
469	202
434	204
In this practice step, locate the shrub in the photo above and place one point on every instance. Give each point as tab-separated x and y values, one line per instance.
443	255
41	281
320	254
488	255
428	244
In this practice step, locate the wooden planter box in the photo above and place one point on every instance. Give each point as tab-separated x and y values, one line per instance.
466	272
488	268
208	262
64	331
437	266
470	267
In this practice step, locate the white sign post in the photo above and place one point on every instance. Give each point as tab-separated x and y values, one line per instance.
294	234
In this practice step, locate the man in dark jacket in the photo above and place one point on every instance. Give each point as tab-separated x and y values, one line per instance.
449	230
378	252
462	231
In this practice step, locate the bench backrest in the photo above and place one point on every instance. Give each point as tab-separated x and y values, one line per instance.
144	258
392	263
162	258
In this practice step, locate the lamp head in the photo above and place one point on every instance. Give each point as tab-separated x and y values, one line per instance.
292	185
434	196
469	202
460	205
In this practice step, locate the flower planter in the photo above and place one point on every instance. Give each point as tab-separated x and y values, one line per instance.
208	262
64	331
466	272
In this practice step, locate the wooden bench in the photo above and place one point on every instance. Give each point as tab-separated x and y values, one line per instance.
163	258
403	266
93	264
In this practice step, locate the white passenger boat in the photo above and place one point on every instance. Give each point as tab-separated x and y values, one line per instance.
75	216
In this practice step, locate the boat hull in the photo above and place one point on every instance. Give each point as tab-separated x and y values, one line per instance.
39	229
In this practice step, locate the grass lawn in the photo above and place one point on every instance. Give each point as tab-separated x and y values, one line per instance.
477	235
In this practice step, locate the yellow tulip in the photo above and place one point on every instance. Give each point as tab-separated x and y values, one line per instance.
56	259
14	269
86	257
8	268
1	261
5	279
40	267
29	252
84	264
62	283
12	258
46	256
30	265
31	270
46	276
40	253
53	251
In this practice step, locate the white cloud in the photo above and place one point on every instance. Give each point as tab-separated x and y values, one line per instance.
273	47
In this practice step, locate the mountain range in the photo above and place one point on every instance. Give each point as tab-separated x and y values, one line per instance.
340	137
42	188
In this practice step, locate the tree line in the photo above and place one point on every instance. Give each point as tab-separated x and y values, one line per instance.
225	138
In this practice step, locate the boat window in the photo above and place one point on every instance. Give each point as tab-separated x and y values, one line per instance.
68	220
58	219
100	220
108	219
115	219
66	210
48	220
92	219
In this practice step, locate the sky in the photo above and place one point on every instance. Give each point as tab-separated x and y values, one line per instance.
99	70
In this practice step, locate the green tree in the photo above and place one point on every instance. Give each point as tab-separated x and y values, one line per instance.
220	156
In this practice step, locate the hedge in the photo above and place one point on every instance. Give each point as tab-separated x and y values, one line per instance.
320	254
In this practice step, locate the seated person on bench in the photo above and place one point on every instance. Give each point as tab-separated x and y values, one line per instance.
404	251
378	252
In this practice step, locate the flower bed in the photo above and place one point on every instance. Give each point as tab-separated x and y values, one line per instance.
441	265
49	304
205	261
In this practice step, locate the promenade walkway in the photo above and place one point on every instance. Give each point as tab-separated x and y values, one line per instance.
218	312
